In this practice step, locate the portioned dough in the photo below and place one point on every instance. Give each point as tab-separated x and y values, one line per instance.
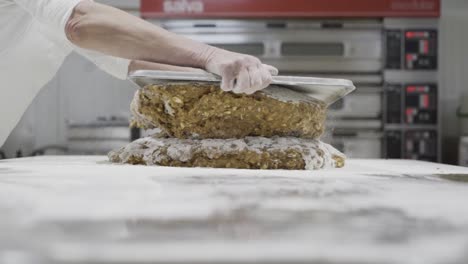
203	110
248	153
203	126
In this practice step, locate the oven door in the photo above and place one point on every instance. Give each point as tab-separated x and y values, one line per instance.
310	47
359	145
364	103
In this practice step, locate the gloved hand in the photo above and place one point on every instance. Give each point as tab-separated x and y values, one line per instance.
240	73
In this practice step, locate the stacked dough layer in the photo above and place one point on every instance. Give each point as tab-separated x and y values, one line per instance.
202	126
246	153
201	111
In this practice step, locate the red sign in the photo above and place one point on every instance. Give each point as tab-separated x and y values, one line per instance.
288	8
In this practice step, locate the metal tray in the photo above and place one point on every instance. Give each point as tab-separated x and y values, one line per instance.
323	89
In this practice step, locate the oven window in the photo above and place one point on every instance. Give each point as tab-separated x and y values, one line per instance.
254	49
312	49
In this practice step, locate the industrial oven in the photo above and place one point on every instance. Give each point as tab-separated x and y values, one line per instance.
388	48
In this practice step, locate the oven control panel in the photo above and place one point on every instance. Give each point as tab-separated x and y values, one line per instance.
411	104
394	43
420	104
393	102
420	50
393	141
420	145
412	144
411	49
411	117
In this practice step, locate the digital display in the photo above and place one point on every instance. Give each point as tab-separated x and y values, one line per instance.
421	145
420	50
421	104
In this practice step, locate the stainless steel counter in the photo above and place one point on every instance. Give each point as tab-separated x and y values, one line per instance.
84	210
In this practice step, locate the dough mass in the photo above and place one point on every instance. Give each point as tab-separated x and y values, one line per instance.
203	126
246	153
185	110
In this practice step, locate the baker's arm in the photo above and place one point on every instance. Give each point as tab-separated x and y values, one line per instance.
114	32
120	68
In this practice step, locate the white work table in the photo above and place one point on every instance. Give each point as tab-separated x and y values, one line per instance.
85	210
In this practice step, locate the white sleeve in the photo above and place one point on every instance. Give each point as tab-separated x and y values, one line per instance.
53	13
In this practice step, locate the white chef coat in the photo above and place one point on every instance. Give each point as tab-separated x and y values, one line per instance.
33	46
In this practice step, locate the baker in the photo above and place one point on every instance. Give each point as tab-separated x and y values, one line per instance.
37	35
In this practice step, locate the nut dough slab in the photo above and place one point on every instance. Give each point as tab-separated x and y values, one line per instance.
203	110
248	153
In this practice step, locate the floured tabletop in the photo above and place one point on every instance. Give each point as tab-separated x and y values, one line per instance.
85	210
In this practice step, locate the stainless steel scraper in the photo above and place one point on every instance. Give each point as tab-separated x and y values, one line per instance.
324	89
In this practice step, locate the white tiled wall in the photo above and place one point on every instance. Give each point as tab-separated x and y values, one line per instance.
453	63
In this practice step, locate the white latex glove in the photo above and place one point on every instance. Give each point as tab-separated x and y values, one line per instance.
240	73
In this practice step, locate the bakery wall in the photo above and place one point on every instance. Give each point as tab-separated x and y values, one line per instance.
453	72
